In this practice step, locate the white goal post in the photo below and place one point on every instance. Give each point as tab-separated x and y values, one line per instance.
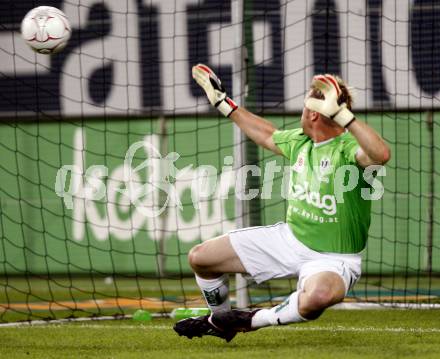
239	92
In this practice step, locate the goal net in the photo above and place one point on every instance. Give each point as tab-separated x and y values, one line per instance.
113	165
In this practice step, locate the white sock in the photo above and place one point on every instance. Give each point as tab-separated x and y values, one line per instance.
216	292
284	313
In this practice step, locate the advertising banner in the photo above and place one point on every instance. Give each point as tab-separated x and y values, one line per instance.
120	197
135	57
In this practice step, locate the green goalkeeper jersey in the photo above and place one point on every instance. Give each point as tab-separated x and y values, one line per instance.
321	213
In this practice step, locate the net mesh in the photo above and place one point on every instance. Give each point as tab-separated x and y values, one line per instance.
120	100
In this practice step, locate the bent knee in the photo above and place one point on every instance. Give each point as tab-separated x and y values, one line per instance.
196	258
322	298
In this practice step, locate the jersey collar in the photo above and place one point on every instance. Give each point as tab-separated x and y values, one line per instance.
322	143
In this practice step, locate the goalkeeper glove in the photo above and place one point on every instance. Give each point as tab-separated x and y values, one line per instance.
214	89
329	107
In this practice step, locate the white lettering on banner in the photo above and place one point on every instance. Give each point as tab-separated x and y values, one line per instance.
262	35
119	51
221	46
205	186
298	61
382	51
356	66
78	216
175	69
209	217
399	75
355	53
22	60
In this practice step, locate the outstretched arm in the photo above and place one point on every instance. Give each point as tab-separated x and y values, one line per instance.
373	149
256	128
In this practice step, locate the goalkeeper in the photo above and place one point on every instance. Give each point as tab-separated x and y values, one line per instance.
324	235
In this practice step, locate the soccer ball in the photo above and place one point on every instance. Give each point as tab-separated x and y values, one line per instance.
46	29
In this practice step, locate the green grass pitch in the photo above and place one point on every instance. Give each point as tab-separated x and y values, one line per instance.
337	334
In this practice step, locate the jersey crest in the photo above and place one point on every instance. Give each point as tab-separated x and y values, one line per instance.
300	162
325	168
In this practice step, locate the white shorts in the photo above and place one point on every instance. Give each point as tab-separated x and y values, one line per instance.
270	252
